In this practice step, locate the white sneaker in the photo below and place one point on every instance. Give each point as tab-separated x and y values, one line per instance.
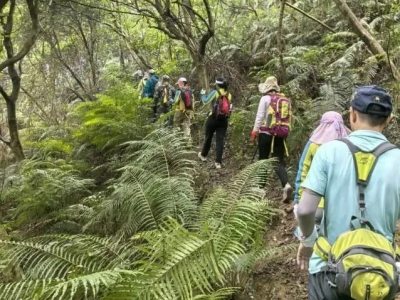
218	165
202	158
287	193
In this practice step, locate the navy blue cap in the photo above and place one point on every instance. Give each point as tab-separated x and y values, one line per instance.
365	96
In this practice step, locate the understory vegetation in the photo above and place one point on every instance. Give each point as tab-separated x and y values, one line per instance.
98	201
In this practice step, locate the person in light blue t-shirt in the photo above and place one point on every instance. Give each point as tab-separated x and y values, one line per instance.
332	176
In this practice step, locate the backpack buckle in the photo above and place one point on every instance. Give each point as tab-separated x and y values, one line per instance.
361	202
331	284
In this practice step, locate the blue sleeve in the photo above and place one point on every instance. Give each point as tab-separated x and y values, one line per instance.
206	99
317	177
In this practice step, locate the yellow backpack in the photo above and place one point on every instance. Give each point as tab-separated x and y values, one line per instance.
363	260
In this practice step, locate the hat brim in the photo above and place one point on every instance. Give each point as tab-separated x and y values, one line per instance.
264	89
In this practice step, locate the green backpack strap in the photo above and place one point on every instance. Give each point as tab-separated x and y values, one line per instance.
364	163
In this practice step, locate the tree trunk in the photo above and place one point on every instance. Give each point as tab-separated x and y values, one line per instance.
372	44
121	57
202	73
280	43
15	143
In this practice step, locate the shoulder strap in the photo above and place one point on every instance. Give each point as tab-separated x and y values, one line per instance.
362	183
377	152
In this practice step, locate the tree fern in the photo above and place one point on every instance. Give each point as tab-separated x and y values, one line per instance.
156	183
41	188
180	263
163	152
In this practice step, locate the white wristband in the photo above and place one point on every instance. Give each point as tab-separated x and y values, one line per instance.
307	241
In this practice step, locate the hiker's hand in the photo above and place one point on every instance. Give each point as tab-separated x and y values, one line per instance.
303	256
254	134
203	92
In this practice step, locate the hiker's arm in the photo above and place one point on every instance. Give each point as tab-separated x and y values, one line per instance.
207	99
304	168
306	211
262	110
314	188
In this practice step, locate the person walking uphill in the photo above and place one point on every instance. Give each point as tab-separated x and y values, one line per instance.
150	85
331	127
142	84
358	176
184	106
217	121
162	96
272	125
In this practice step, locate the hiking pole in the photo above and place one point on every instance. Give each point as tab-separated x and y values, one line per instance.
254	155
255	152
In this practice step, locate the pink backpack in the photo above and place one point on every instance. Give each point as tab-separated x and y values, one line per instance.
279	116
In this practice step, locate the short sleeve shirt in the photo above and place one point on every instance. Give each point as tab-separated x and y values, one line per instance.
332	175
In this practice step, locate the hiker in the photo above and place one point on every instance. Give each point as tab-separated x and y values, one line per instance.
184	106
359	179
217	120
141	85
138	75
163	94
149	87
272	125
331	127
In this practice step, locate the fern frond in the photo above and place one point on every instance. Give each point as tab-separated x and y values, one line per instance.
180	263
50	257
348	57
163	152
24	289
87	286
156	183
246	185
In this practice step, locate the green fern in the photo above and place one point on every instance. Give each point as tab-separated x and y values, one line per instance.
42	188
113	119
156	183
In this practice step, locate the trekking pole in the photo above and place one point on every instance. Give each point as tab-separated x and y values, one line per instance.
254	155
255	152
